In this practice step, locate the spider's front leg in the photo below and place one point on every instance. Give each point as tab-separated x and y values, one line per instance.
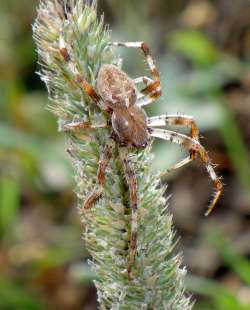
79	80
153	89
103	163
143	79
192	144
132	185
146	81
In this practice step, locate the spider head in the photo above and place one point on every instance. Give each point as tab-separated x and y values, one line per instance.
115	87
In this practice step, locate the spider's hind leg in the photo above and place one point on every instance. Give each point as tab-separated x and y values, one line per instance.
176	166
192	144
177	120
132	184
103	163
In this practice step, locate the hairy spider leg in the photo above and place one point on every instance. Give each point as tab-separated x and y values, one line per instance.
76	126
180	120
152	91
149	95
176	166
79	79
103	164
145	80
132	185
192	144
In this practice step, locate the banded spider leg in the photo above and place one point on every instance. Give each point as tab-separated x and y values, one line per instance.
103	162
76	126
146	81
152	91
180	120
192	144
78	78
132	185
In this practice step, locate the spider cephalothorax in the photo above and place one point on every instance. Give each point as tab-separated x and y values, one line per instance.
130	127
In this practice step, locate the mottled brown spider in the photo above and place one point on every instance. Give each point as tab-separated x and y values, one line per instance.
130	127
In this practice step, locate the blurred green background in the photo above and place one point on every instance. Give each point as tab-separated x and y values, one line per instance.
202	49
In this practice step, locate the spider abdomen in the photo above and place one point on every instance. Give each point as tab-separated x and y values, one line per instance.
130	126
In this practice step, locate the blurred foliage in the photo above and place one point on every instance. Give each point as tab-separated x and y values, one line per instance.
196	46
9	195
239	264
13	296
221	296
202	50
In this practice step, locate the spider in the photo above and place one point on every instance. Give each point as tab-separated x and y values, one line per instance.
117	95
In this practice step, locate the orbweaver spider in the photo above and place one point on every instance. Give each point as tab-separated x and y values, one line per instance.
116	94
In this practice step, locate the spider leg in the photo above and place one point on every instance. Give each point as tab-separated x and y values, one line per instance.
103	163
79	79
178	165
132	184
149	94
145	100
192	144
175	119
76	126
153	90
143	79
146	81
